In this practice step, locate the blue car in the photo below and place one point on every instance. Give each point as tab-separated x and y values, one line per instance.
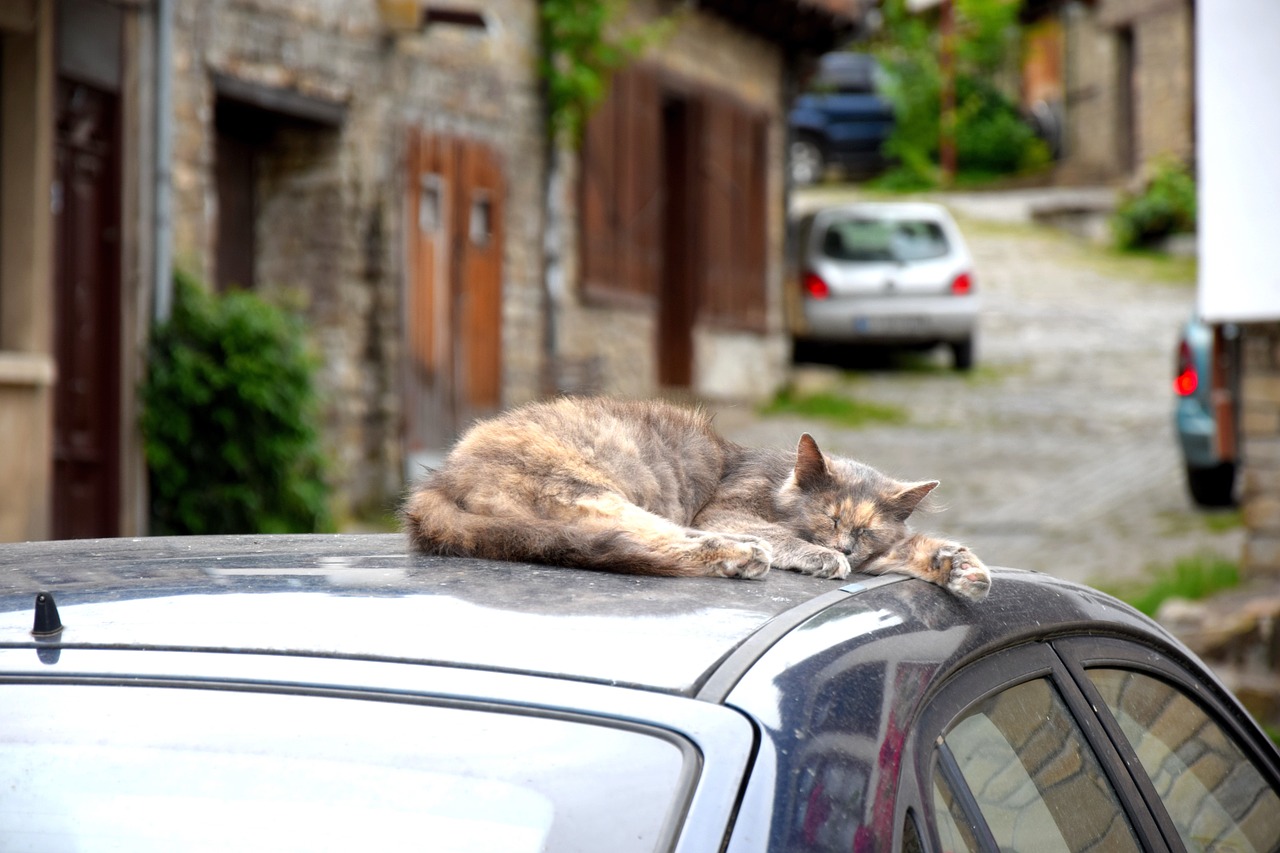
1210	462
840	120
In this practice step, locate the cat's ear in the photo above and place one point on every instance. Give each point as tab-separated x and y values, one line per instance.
811	465
905	501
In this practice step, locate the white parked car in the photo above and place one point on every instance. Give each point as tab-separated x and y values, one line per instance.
886	274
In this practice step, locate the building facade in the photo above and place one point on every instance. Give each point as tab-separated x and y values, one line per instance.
1115	82
382	166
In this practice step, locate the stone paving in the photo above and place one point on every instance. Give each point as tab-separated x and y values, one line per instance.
1057	453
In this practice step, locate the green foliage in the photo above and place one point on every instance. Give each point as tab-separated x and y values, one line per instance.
991	137
1165	206
579	54
1190	578
229	419
837	408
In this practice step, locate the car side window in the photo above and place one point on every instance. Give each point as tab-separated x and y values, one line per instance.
1020	758
1216	798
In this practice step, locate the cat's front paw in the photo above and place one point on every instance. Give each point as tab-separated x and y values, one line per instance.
817	561
966	576
738	556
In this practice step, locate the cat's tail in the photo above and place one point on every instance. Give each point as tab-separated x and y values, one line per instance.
437	524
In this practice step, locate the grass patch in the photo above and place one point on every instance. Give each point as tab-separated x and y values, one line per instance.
836	408
1145	265
1215	521
1190	578
1222	521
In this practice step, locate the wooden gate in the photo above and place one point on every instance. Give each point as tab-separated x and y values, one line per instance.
86	475
453	302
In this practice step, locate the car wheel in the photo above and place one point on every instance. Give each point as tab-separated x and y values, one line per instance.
807	162
962	354
1213	487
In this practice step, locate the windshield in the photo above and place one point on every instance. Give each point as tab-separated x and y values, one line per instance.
897	240
109	767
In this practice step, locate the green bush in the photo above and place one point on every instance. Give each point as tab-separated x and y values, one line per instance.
228	419
1165	206
991	137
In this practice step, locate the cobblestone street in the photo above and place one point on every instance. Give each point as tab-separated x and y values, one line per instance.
1057	453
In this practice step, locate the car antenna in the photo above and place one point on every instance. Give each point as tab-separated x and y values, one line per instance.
47	621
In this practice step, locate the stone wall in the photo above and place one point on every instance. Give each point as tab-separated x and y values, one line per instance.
1094	141
329	229
330	224
1117	124
1164	67
1260	447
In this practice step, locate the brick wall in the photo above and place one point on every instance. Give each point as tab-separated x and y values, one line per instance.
1260	438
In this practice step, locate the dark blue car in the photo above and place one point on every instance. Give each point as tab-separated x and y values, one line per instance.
841	120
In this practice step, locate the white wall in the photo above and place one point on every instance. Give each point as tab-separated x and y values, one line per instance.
1238	137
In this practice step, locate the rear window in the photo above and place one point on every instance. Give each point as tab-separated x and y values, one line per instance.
893	240
94	767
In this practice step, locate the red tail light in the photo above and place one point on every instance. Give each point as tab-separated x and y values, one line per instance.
814	286
962	284
1187	380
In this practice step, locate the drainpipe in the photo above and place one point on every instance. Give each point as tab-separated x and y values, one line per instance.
163	177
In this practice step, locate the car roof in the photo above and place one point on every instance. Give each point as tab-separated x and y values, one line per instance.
886	210
367	597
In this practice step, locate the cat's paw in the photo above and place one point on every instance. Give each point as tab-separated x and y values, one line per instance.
817	561
834	565
966	576
738	556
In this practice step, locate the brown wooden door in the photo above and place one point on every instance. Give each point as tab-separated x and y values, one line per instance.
454	295
86	500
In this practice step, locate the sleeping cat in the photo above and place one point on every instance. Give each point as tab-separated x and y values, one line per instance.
649	488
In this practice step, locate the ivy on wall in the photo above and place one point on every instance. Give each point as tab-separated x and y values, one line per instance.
582	46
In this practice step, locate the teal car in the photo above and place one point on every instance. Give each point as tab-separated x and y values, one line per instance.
1211	473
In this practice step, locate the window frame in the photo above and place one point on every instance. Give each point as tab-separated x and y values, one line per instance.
994	674
1084	653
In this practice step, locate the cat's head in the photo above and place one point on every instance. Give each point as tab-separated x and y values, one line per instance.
845	505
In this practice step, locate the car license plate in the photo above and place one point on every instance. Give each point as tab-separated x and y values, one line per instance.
904	325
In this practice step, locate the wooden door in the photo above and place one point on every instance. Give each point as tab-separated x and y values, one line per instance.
454	296
86	484
677	303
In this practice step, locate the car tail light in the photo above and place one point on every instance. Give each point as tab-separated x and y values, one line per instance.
1187	380
814	286
962	284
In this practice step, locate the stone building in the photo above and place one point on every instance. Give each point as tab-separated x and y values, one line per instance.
1114	80
1260	447
383	165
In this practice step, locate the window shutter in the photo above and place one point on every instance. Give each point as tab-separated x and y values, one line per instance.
734	172
622	190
